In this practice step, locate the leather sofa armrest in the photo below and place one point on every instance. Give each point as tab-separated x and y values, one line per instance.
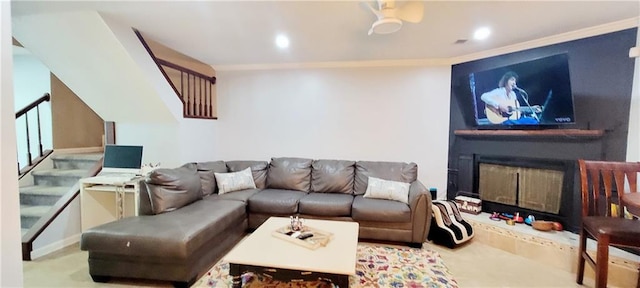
144	202
420	204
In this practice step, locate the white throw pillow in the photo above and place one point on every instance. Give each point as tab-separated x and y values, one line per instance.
386	189
234	181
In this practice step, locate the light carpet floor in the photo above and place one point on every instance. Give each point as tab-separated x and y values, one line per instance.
472	265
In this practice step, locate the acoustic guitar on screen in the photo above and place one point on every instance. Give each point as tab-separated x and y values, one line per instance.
495	116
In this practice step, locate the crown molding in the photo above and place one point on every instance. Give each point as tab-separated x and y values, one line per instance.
337	64
555	39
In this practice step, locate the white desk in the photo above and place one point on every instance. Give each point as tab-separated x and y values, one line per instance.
104	199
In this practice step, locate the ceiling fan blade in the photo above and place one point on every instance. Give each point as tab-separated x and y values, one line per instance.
411	11
367	5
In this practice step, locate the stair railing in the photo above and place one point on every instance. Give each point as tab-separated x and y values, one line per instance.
65	200
195	91
32	162
47	219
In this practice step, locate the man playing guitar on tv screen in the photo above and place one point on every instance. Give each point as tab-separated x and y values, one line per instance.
503	107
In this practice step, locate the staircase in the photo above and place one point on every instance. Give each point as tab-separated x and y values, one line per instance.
51	184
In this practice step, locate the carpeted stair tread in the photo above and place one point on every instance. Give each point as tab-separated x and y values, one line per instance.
51	184
34	211
83	156
62	172
44	190
76	161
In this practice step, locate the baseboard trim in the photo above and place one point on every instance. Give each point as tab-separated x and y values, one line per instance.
55	246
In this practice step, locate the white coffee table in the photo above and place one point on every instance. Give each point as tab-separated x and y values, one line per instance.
263	253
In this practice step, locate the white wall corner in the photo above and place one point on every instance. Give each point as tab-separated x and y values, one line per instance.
11	255
93	64
633	137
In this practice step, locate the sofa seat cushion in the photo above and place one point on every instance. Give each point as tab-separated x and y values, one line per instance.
332	176
171	235
326	204
242	195
275	201
379	210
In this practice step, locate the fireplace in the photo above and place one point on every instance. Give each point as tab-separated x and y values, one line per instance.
529	186
530	156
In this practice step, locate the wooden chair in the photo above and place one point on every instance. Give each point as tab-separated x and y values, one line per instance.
631	200
597	219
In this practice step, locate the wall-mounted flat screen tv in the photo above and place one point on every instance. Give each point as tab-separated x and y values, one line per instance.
535	93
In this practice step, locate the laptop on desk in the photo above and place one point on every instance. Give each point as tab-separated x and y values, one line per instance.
121	161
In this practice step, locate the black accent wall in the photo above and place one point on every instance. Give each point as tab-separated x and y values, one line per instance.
601	81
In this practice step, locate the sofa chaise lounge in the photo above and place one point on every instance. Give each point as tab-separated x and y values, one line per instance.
190	216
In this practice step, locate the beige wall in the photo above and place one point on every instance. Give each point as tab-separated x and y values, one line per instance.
74	124
168	54
365	113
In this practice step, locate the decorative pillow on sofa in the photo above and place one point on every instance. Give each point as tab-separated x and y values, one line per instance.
234	181
394	171
290	174
389	190
170	189
258	169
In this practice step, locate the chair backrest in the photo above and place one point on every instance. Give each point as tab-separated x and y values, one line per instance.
601	176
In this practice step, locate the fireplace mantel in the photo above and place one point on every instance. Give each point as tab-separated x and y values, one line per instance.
547	134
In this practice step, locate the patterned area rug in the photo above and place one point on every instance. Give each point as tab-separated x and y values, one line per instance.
377	266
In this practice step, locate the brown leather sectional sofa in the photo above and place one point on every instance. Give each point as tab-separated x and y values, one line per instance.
185	226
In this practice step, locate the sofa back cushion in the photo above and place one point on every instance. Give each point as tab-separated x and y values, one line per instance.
171	189
207	178
290	174
258	170
332	176
394	171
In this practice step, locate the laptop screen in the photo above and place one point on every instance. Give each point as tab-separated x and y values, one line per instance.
122	159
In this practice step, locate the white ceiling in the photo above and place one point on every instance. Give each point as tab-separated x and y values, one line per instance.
243	32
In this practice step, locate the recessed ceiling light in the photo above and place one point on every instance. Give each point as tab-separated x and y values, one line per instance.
482	33
282	41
